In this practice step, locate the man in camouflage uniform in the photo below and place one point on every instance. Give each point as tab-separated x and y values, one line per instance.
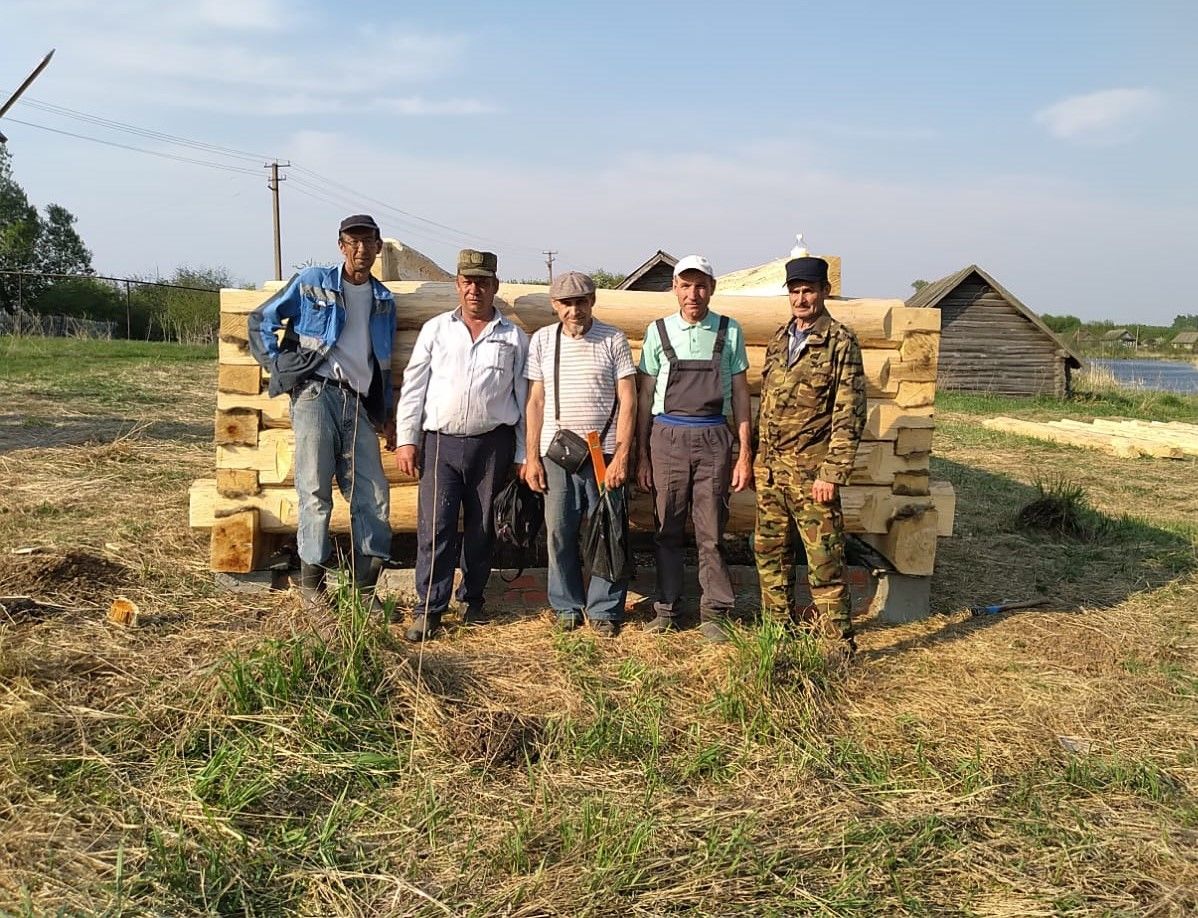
809	423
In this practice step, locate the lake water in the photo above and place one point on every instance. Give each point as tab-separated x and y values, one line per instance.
1163	375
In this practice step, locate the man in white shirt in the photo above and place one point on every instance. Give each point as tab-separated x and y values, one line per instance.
582	370
459	428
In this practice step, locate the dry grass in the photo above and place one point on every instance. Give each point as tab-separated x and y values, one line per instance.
234	756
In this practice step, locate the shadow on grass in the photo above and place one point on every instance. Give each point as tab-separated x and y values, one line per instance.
19	431
990	560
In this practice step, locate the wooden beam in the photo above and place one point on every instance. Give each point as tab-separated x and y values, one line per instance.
241	379
236	482
236	542
237	426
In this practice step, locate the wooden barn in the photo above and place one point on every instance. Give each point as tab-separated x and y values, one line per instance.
991	342
655	274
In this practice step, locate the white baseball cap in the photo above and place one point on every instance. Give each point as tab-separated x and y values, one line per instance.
694	263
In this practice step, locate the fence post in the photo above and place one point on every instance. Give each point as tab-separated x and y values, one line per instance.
128	314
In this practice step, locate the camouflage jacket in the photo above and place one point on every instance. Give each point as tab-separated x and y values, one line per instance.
812	414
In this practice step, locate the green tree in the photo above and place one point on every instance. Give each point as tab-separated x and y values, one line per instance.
1061	324
1185	322
608	280
61	250
918	285
19	232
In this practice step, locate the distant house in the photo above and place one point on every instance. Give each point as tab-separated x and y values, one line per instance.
990	342
656	273
1120	336
1186	340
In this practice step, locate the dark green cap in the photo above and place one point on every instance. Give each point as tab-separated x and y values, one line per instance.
477	264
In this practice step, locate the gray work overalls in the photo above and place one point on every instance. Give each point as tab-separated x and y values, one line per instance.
692	471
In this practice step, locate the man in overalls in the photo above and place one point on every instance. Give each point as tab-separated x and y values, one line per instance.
691	378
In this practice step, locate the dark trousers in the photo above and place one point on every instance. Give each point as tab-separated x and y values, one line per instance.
458	475
692	470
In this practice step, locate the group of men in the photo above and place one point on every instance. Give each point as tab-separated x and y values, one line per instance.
480	401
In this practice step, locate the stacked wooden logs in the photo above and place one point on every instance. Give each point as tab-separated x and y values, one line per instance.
891	500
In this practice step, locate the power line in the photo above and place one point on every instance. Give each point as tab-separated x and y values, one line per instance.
421	227
142	132
124	146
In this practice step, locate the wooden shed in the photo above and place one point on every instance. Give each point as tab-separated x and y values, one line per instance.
655	274
991	342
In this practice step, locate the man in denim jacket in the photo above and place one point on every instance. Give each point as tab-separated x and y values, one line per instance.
334	360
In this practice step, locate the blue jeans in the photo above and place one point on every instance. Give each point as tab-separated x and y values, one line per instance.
334	438
570	498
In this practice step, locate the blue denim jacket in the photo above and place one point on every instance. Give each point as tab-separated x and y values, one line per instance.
311	312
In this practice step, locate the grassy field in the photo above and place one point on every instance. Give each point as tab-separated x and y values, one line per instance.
231	756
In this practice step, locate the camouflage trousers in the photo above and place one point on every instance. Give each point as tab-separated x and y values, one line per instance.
784	505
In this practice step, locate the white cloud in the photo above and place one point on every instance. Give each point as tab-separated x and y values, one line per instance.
257	15
1108	116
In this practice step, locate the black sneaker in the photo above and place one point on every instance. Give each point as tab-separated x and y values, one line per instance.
567	621
661	625
423	627
475	613
606	628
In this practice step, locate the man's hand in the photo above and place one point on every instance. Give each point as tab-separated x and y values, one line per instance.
407	459
389	435
823	492
742	473
617	471
534	475
644	472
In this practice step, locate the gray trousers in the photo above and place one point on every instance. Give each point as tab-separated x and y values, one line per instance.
692	471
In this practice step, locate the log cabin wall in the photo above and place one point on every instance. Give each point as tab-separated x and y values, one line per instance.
891	500
991	343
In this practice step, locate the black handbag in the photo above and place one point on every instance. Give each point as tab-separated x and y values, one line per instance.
567	448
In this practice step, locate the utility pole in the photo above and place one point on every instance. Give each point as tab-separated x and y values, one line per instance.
273	185
549	262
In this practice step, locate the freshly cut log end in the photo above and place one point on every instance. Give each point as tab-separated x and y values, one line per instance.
237	482
240	379
910	542
237	426
236	543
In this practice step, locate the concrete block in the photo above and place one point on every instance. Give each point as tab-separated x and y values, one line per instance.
901	598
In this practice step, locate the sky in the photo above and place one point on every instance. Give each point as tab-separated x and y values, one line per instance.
1051	143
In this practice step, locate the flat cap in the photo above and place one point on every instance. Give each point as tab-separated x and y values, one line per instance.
808	268
571	284
472	263
359	221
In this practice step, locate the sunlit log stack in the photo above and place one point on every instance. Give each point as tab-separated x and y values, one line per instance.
891	500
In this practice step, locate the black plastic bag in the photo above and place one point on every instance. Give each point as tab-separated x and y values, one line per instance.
519	514
605	543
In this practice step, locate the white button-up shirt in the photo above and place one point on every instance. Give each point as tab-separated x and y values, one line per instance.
462	386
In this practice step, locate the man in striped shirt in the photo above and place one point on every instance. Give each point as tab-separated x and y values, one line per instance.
580	379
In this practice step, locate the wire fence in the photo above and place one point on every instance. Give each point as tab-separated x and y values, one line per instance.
96	305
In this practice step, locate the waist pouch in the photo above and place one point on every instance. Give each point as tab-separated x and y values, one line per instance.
568	450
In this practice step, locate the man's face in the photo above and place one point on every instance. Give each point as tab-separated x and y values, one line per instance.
476	295
359	247
575	312
807	300
693	290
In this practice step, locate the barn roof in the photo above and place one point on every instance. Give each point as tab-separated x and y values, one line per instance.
652	262
1186	337
932	293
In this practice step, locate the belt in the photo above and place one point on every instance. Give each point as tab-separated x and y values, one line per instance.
339	383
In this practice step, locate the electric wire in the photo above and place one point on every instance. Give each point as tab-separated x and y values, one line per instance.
124	146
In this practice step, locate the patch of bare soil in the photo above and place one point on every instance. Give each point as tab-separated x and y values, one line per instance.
31	586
